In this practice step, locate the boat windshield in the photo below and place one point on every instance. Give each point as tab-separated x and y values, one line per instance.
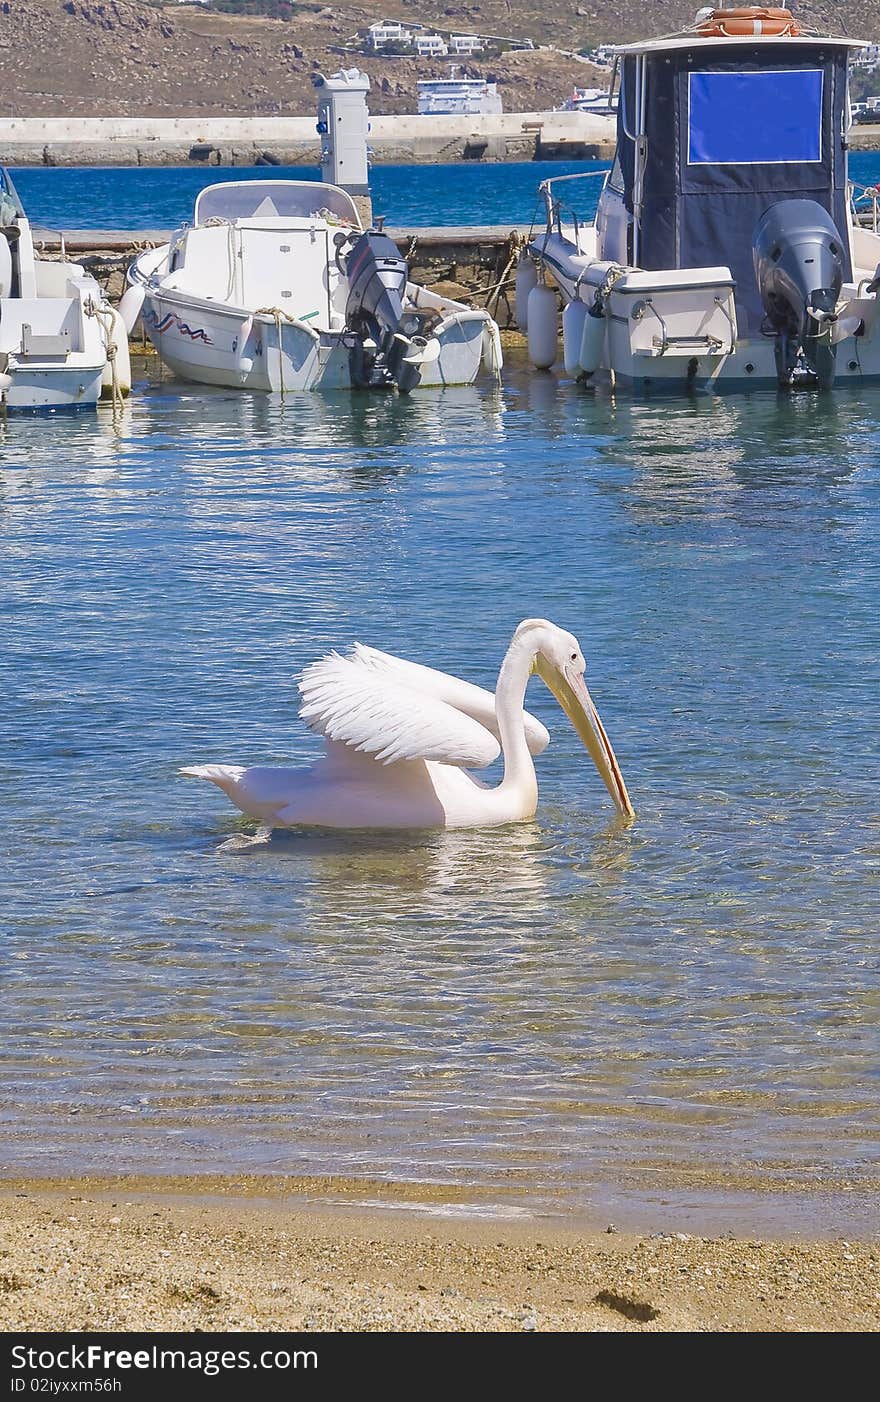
273	199
10	204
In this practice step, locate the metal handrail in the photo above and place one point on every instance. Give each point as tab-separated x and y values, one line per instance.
553	206
870	195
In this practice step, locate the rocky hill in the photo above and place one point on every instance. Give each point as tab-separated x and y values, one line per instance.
129	58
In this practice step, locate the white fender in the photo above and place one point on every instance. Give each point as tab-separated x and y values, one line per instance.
592	343
130	305
526	279
542	333
118	338
572	335
493	356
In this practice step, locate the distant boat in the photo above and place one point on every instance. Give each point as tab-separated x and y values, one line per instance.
61	342
729	248
276	286
595	100
454	96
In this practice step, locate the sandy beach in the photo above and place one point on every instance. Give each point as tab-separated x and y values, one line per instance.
208	1254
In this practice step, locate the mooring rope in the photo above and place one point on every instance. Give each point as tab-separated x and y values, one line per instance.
105	317
515	242
279	315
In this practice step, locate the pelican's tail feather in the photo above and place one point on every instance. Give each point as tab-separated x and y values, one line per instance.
223	775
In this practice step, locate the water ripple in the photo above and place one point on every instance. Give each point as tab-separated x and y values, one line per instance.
551	1001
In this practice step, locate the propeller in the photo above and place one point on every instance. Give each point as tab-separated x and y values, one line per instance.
838	327
845	326
421	352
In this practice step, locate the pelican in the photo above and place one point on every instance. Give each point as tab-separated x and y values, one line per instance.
401	740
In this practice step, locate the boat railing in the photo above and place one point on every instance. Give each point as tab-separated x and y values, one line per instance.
864	202
554	207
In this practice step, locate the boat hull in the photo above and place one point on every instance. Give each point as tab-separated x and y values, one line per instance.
675	331
461	353
227	346
216	344
54	346
36	389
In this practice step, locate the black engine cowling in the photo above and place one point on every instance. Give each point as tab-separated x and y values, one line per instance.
799	267
381	352
377	277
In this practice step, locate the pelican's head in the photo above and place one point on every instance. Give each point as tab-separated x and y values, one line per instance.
559	662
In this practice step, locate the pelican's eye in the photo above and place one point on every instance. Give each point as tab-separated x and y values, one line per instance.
574	657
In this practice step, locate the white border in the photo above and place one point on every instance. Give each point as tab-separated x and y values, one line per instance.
764	73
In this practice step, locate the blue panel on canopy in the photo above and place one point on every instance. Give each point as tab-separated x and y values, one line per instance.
755	118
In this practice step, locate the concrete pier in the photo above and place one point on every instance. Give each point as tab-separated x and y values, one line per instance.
865	136
236	141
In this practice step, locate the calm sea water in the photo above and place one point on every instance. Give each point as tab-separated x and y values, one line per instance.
163	197
542	1005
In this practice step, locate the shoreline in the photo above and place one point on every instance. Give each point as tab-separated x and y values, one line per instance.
213	1253
774	1203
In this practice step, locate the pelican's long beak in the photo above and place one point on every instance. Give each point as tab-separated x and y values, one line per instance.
570	691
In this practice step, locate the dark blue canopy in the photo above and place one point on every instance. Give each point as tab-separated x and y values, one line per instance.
728	131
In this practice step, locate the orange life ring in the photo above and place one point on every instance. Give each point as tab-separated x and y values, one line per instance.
755	20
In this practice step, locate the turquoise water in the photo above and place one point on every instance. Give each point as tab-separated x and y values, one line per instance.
544	1005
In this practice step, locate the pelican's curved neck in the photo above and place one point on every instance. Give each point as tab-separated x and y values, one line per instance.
510	692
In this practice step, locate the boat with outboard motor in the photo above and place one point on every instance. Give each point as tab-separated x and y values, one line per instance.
62	345
729	247
276	286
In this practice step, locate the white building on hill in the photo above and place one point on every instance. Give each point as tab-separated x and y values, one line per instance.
463	44
868	57
431	45
380	35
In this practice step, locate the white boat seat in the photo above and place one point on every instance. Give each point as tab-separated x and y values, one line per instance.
674	279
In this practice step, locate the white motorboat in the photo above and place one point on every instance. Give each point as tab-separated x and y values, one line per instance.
594	100
277	287
729	248
61	343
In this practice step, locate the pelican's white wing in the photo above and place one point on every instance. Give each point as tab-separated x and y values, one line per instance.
472	700
368	709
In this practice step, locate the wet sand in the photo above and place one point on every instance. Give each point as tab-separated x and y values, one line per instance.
212	1254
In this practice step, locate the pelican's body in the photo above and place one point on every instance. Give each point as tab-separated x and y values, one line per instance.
401	740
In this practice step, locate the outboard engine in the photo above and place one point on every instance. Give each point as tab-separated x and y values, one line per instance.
798	256
386	347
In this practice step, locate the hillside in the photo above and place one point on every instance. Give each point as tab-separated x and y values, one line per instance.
124	58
